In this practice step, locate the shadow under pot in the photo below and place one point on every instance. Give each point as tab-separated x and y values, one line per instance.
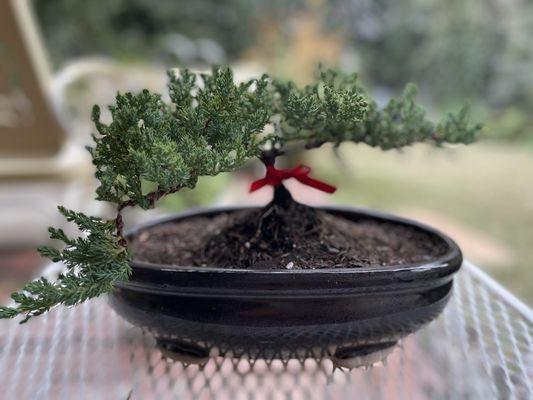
354	316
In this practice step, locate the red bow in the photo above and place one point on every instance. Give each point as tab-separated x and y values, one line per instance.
275	176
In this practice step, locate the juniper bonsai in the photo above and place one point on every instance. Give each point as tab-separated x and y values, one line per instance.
212	125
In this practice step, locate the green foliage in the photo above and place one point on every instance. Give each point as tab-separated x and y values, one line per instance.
151	149
208	129
323	111
93	264
214	125
402	122
337	109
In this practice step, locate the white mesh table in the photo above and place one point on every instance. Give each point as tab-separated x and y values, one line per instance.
479	348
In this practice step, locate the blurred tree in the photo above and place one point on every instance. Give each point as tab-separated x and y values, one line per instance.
139	28
457	48
476	49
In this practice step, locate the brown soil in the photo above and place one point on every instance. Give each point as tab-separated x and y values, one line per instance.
290	237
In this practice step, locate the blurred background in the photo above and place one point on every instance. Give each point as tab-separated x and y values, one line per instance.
59	57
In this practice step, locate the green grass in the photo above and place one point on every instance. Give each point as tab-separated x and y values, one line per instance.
487	187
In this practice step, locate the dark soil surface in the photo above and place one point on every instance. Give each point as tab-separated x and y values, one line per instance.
289	237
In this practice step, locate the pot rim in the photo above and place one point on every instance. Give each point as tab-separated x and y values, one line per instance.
445	264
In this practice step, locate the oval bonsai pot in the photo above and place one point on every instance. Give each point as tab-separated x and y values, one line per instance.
341	313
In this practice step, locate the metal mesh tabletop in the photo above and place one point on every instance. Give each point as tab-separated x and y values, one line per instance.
479	348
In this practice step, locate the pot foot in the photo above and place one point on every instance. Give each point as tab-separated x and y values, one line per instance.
186	353
362	356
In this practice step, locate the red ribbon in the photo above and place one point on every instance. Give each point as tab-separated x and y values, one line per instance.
275	176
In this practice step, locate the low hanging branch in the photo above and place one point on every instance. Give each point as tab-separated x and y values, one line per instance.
151	149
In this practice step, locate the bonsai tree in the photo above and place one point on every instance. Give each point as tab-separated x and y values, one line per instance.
212	125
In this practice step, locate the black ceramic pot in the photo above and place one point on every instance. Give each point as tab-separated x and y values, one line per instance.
339	313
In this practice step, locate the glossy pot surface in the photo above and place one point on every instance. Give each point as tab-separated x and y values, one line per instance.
286	313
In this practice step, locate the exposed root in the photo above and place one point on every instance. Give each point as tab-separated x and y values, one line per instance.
270	233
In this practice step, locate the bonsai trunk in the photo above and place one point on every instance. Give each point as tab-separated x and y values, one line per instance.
276	228
282	198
